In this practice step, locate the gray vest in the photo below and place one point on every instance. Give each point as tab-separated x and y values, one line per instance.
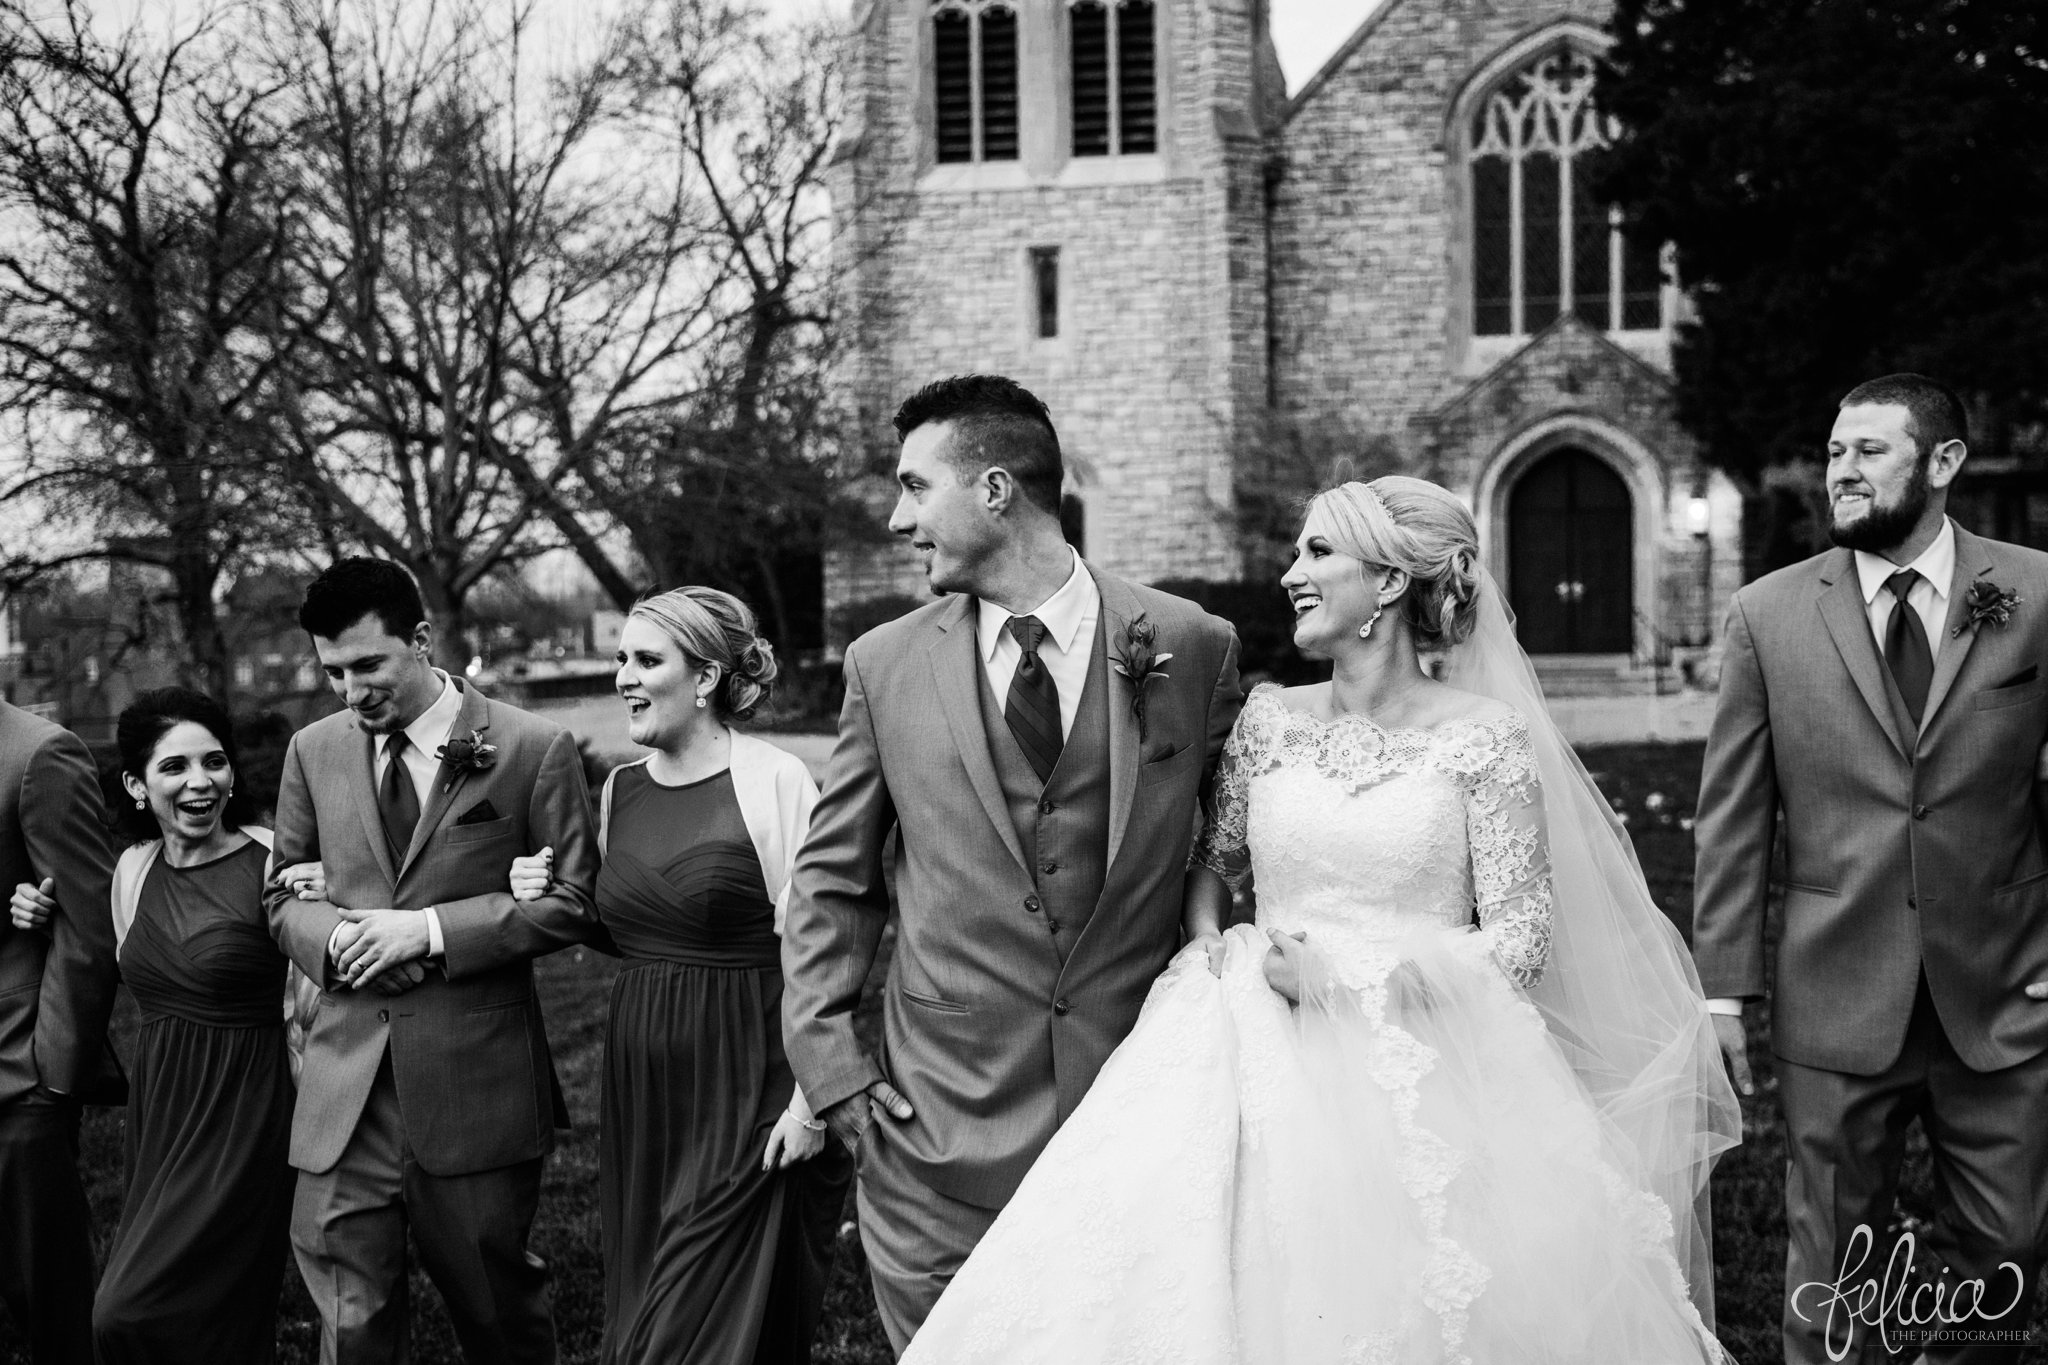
1064	822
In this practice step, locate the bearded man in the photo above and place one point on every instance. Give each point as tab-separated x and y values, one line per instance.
1887	697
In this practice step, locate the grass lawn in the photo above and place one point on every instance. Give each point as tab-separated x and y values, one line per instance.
1653	786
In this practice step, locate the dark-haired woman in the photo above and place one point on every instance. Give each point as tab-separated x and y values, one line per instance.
719	1196
198	1259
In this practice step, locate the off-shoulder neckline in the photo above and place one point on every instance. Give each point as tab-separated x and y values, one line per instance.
1271	692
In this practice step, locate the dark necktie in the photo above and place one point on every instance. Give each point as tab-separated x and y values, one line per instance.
1033	708
397	802
1905	646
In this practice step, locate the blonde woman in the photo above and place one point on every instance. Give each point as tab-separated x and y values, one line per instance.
720	1201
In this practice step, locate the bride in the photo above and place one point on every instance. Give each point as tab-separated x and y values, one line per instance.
1454	1099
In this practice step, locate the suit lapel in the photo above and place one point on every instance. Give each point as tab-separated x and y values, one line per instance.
956	675
363	777
473	715
1119	608
1848	621
1973	561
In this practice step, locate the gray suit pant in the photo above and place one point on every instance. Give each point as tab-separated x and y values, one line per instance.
46	1266
349	1226
1988	1133
916	1239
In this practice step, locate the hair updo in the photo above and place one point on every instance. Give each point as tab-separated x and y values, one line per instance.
713	627
1420	528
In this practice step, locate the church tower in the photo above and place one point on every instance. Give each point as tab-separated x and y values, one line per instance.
1072	193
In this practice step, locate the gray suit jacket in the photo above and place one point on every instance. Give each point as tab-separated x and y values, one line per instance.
56	984
468	1051
988	1034
1904	851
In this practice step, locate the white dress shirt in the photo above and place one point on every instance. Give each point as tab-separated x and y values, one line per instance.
1929	597
1936	566
425	736
1069	618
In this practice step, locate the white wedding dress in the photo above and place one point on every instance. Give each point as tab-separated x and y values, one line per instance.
1404	1169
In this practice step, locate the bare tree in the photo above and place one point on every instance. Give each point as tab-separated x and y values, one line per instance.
141	252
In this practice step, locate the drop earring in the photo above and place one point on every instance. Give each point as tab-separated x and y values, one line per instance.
140	804
700	703
1365	631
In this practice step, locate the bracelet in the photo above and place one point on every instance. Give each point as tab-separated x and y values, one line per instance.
816	1125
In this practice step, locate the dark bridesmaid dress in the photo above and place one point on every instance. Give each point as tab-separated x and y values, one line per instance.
198	1260
708	1259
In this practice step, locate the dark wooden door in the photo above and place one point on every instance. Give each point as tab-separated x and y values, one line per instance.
1571	556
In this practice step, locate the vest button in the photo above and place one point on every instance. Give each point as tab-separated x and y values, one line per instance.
1060	1007
1919	812
1046	807
1912	902
1052	925
1048	867
383	1016
1031	904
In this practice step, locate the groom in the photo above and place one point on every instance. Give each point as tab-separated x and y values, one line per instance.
1039	757
1888	697
426	1101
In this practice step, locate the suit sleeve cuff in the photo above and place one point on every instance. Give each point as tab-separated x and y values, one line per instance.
1725	1005
437	947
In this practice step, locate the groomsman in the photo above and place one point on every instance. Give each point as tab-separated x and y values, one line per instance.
427	1098
1887	696
56	991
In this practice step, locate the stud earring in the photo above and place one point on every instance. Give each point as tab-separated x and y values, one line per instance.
1365	631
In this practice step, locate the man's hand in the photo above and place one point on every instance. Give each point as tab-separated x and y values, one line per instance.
385	939
849	1118
31	905
400	979
1735	1050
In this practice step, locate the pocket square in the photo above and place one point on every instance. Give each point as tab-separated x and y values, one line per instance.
2025	675
478	814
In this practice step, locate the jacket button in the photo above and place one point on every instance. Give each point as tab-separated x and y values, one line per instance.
1048	867
1052	925
1912	902
1046	808
1060	1007
383	1016
1919	812
1031	903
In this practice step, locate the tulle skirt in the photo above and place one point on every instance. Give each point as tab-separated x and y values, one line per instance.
1401	1170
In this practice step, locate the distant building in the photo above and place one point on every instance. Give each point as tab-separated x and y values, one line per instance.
1215	287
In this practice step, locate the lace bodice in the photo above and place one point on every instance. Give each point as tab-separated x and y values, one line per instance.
1359	834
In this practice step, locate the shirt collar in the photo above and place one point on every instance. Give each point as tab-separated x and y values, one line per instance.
1936	564
429	729
1062	614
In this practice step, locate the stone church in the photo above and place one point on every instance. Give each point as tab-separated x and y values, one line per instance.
1219	288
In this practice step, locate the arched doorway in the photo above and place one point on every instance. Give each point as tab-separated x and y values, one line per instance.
1571	556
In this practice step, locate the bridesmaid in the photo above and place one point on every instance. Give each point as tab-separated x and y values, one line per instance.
720	1202
198	1259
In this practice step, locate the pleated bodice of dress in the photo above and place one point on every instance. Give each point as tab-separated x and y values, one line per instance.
681	881
200	949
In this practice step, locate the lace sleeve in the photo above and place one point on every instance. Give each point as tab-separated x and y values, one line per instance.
1511	856
1223	846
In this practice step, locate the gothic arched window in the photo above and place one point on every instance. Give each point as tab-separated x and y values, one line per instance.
1116	82
974	79
1541	244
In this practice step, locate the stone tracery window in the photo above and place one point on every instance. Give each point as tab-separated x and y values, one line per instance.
974	79
1115	77
1541	244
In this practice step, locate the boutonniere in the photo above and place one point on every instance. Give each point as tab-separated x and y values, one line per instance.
470	755
1136	660
1989	605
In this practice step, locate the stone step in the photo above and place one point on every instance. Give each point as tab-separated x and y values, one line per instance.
1602	675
